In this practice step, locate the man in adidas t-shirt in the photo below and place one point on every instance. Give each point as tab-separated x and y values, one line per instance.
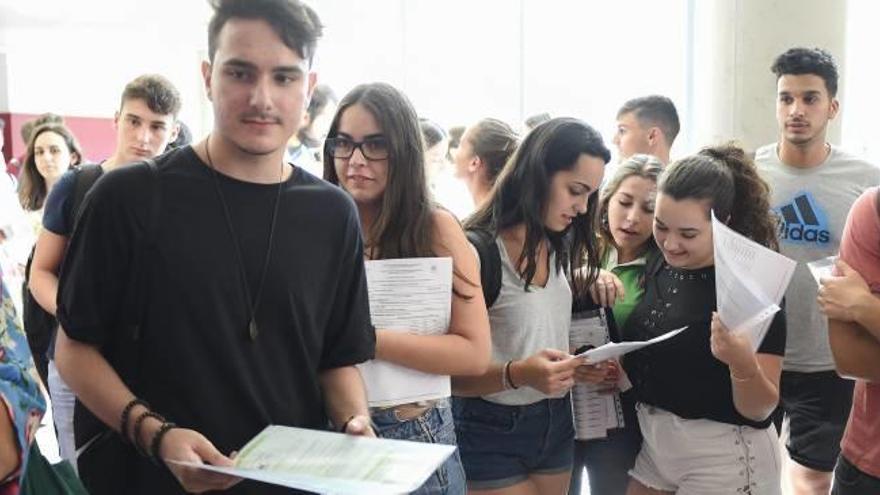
813	185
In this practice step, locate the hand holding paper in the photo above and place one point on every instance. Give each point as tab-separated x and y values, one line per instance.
750	281
326	462
194	450
733	349
550	371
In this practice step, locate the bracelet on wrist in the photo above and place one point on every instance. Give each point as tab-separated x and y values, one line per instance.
126	415
156	442
345	425
742	379
508	377
136	434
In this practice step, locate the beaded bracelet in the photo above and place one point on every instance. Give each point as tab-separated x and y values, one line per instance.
126	413
157	440
139	422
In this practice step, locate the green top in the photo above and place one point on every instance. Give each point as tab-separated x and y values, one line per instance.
630	274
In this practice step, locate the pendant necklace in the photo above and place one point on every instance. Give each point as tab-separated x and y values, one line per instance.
252	304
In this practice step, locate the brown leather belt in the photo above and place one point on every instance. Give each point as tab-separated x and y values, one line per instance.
410	410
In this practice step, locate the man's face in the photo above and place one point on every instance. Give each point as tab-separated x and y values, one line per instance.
631	137
258	86
803	108
140	132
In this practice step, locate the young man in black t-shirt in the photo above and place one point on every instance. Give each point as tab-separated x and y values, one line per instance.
254	307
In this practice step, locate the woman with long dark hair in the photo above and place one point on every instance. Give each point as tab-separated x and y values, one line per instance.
374	151
52	150
514	422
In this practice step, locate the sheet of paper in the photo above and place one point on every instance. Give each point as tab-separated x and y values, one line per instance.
612	350
590	407
822	268
333	463
750	281
411	295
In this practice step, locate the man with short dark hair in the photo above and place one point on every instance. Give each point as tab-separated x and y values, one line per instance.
253	307
646	125
145	123
813	184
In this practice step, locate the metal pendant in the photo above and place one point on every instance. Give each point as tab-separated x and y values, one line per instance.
252	329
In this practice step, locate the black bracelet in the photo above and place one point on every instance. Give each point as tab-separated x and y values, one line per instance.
507	375
345	425
136	436
157	441
126	413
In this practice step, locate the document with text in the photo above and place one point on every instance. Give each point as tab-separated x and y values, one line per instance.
333	463
750	281
412	295
595	411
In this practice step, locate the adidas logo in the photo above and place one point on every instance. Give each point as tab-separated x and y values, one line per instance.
804	222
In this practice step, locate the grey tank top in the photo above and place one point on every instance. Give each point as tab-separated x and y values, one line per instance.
524	323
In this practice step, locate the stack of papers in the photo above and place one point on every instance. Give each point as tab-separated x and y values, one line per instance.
412	295
333	463
594	411
750	281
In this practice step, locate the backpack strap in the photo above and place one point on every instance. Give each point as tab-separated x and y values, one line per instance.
490	263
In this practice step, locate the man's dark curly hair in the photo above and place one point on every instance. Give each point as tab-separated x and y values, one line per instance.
816	61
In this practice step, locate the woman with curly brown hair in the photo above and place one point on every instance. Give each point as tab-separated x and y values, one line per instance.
704	397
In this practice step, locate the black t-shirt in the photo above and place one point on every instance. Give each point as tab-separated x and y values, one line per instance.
681	375
198	365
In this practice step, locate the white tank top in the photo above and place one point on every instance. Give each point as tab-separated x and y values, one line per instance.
524	323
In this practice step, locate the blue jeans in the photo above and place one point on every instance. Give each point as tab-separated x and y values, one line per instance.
502	445
433	426
850	480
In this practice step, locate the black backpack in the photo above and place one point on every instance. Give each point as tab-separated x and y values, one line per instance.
39	324
490	263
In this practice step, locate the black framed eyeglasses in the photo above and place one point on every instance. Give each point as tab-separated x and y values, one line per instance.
373	148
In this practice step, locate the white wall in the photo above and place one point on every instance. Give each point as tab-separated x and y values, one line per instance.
734	90
860	108
463	60
82	72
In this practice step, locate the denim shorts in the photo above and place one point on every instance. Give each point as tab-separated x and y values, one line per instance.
502	445
432	426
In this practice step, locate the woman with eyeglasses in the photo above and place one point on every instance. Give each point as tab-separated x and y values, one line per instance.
375	152
515	421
